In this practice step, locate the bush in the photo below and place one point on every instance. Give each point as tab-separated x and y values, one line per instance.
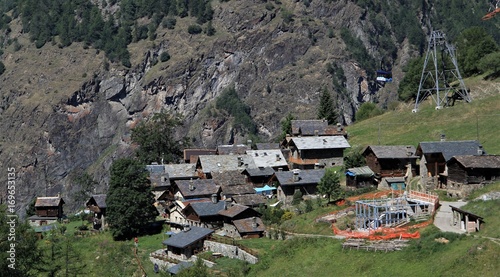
194	29
169	23
297	197
164	56
368	110
2	68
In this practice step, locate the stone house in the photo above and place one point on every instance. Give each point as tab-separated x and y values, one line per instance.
204	214
241	222
193	189
287	182
272	158
191	155
187	243
316	127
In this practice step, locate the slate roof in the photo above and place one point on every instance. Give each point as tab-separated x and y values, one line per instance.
323	142
192	154
100	200
307	127
395	179
232	149
237	189
48	201
392	151
178	267
364	171
259	171
159	179
181	171
306	177
449	148
249	199
268	158
245	225
208	208
222	163
485	161
267	146
185	238
233	210
202	187
230	177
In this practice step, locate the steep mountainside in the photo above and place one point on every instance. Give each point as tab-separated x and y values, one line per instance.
65	110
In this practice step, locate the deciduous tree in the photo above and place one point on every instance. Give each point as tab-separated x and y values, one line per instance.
330	185
129	200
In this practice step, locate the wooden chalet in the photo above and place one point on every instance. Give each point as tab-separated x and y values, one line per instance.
250	200
469	172
191	155
317	151
435	155
48	210
193	189
391	160
97	205
204	214
258	176
242	222
360	177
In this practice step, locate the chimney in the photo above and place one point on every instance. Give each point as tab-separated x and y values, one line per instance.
240	161
480	150
443	137
280	169
249	144
191	185
316	166
408	151
316	132
278	158
254	222
339	127
187	228
296	177
214	198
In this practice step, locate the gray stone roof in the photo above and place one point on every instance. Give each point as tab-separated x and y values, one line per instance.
208	208
178	267
48	201
308	127
246	225
485	161
450	148
268	158
267	146
320	142
232	149
100	200
181	171
223	163
249	199
231	177
159	179
198	187
155	168
237	189
305	177
259	171
185	238
392	151
233	210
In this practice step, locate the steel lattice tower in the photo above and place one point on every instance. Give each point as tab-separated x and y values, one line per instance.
436	80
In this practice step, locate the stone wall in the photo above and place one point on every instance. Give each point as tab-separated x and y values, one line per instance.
230	251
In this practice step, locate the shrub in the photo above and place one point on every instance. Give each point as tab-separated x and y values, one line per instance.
297	197
2	68
368	110
164	56
169	23
194	29
287	216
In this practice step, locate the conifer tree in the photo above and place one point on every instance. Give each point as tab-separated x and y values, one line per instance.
326	107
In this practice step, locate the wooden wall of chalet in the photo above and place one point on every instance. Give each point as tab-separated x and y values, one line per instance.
49	211
372	163
435	163
321	153
390	167
457	174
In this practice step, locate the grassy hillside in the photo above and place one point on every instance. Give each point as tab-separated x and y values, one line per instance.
477	120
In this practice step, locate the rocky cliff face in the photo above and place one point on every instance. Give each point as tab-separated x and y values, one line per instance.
62	113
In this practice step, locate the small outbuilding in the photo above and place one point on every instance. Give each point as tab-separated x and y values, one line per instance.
467	221
187	243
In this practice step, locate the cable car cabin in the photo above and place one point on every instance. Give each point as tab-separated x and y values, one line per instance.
384	76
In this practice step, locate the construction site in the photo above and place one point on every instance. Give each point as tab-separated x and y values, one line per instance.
385	221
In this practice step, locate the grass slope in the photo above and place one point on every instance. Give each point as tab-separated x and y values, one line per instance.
477	120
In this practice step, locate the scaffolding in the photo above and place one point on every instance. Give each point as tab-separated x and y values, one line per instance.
389	212
443	84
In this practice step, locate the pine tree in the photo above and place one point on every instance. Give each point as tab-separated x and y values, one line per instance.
326	108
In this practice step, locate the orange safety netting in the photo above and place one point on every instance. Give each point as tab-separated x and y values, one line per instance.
383	233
